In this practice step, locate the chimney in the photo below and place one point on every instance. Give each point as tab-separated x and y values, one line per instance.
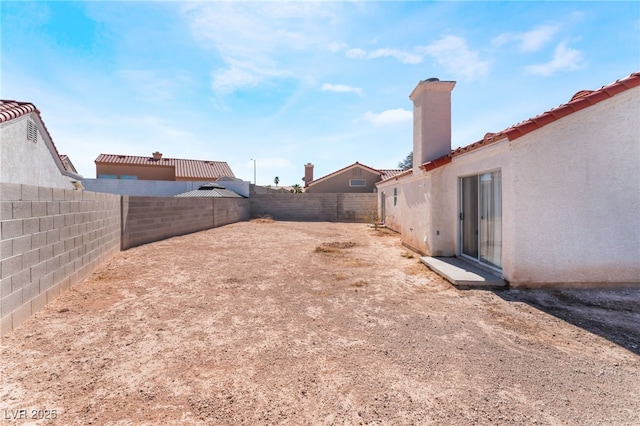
431	120
157	155
308	174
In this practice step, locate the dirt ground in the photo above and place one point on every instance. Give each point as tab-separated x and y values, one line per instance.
268	322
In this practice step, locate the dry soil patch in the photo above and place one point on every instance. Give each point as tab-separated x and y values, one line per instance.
251	324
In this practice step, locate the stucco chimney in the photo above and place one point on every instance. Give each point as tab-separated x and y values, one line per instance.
308	173
157	155
431	120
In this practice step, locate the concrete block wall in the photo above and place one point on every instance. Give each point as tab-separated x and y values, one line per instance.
149	219
230	210
331	207
50	239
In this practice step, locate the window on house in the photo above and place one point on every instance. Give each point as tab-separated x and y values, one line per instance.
129	177
395	196
32	131
107	177
357	182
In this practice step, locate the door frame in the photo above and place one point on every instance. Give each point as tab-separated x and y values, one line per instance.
460	221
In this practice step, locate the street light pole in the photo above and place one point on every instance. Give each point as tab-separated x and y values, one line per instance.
254	171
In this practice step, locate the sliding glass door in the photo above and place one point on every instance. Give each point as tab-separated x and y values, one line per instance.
481	218
469	216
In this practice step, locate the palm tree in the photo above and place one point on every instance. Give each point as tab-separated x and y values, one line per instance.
296	188
276	181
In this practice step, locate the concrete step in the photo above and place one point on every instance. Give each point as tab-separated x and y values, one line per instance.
461	273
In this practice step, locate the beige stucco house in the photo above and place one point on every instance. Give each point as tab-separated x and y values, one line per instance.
355	178
157	167
551	201
27	152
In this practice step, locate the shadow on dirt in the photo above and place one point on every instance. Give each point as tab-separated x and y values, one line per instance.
612	314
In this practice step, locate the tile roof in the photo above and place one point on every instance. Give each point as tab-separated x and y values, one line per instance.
186	169
384	173
389	173
66	162
581	100
210	190
10	110
400	175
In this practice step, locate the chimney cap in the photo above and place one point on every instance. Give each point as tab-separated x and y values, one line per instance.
157	155
432	85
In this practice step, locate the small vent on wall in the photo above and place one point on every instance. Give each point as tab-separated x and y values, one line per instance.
32	131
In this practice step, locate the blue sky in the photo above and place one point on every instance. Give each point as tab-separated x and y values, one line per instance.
291	83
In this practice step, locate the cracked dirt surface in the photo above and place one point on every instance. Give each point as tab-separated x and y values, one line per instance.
306	323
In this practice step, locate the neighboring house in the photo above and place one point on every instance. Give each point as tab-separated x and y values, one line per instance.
27	152
210	190
110	166
353	178
551	201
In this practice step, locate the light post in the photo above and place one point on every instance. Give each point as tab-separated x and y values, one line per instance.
254	171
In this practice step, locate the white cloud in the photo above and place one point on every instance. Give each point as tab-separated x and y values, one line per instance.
564	59
390	116
149	85
529	41
335	46
401	56
255	41
453	53
244	74
356	54
538	37
341	88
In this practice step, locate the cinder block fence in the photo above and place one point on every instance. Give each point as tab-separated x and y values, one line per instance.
330	207
148	219
51	239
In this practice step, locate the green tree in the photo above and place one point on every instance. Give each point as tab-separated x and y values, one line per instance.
296	188
407	163
276	181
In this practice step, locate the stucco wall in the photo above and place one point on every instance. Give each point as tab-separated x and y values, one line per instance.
315	207
570	201
148	219
50	239
408	209
577	197
141	172
339	183
30	163
156	188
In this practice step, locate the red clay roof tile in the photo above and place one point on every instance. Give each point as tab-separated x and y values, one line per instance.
10	110
14	109
184	169
436	163
389	173
581	100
